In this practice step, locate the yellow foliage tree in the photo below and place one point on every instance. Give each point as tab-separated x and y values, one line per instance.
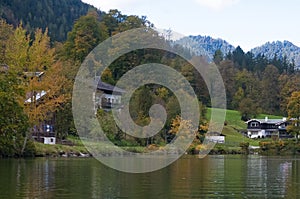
293	109
43	79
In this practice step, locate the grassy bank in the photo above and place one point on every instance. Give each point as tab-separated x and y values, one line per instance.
43	150
77	149
233	139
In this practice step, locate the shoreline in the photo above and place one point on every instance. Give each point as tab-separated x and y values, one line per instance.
279	148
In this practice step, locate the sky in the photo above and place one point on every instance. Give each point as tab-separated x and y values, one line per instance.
247	23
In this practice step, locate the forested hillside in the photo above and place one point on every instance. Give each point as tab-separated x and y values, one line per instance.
57	15
257	84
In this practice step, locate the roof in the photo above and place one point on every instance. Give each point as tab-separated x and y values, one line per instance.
33	74
108	87
269	121
38	96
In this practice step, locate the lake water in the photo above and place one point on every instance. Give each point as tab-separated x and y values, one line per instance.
229	176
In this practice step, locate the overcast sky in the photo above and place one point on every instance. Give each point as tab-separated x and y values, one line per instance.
248	23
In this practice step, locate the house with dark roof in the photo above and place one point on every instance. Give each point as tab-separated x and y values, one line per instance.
263	128
107	96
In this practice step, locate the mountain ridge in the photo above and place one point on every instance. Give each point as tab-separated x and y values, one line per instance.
206	46
281	49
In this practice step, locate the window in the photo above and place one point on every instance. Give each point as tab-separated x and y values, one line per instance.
254	124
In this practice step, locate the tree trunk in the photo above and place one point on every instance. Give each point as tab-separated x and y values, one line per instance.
24	145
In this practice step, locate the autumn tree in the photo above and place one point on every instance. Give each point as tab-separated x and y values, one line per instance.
293	108
288	83
42	79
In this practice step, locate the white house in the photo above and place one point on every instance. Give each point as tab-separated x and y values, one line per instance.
262	128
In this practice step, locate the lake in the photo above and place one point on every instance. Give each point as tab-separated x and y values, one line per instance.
215	176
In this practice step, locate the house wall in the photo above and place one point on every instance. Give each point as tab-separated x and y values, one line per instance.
112	98
262	133
49	140
104	100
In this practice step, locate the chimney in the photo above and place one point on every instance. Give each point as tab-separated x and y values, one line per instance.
266	118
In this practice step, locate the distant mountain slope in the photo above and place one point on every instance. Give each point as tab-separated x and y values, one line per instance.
205	45
281	49
57	15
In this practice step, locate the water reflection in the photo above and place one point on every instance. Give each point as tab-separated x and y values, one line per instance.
189	177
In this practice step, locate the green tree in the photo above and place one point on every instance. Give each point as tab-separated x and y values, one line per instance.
228	73
248	109
86	34
270	90
17	50
6	31
13	121
218	57
247	86
116	22
238	58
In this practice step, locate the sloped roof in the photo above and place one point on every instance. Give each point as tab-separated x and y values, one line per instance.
107	87
34	74
38	96
269	121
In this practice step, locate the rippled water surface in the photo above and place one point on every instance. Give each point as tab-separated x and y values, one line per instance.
230	176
